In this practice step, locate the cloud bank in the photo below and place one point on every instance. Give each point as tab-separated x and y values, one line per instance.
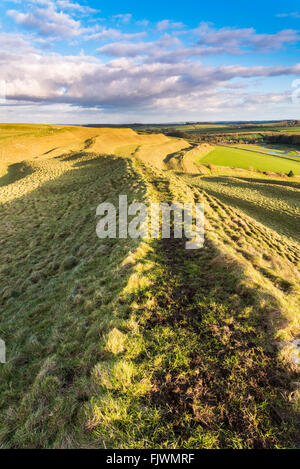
135	66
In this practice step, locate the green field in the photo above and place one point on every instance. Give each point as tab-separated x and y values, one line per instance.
238	158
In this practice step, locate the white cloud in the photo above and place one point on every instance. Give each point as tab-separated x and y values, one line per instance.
154	49
113	34
68	5
64	5
119	84
143	23
293	14
123	18
244	38
10	42
150	76
47	19
47	22
168	24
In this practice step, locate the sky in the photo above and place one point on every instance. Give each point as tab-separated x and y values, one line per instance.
87	61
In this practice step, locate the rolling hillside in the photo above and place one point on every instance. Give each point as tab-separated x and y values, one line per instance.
131	343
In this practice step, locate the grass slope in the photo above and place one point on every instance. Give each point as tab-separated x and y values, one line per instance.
140	343
273	204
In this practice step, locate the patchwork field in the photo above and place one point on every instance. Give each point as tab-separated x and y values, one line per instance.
139	343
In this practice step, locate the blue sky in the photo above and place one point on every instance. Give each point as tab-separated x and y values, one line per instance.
76	61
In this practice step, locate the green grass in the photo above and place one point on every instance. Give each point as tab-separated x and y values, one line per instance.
55	298
271	203
140	343
233	157
19	130
295	129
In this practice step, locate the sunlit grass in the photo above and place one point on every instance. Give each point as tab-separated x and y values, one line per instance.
240	158
139	343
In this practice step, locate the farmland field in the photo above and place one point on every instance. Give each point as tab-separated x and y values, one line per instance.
140	343
245	158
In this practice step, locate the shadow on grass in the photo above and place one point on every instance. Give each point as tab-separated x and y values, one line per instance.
57	282
293	184
50	151
16	172
216	378
220	383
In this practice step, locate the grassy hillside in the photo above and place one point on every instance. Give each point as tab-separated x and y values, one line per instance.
273	204
140	343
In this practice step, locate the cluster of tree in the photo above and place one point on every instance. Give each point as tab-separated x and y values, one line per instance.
175	133
292	123
214	138
254	138
283	138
